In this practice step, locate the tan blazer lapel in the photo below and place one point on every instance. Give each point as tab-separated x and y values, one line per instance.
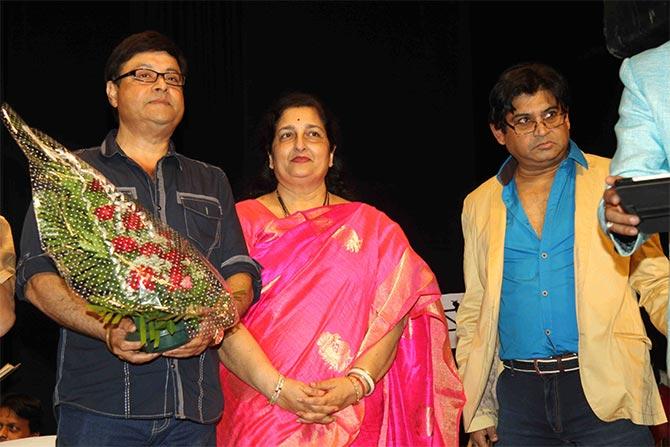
496	243
587	192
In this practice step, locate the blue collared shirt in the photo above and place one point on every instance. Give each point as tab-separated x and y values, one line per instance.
195	199
537	303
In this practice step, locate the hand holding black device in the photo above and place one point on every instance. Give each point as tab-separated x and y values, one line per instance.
649	198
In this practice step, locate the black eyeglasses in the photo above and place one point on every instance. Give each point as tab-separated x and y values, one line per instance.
150	76
523	125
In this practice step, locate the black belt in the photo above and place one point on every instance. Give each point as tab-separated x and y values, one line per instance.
552	365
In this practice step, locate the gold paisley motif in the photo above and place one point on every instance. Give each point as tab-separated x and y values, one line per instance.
334	351
349	238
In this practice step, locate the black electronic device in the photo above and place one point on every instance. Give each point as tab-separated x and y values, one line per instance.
649	198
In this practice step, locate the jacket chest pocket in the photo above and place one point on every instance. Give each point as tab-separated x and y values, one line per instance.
128	190
202	216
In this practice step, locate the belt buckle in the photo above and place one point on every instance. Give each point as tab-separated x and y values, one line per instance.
536	366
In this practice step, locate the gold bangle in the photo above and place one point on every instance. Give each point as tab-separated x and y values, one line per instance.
367	378
357	388
108	341
360	381
277	391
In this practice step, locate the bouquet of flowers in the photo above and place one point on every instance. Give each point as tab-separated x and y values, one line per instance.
114	254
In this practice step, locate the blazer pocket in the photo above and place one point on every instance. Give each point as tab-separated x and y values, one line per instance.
635	360
202	215
630	337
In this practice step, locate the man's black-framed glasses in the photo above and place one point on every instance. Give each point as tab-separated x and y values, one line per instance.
523	125
150	76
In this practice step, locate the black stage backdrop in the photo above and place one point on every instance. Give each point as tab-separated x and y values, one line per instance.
409	82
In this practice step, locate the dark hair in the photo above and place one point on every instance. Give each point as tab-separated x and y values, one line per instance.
265	134
25	407
528	78
139	43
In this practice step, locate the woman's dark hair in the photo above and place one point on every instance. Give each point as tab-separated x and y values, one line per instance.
527	78
26	407
140	43
265	134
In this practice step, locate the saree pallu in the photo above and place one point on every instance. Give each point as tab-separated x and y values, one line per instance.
336	279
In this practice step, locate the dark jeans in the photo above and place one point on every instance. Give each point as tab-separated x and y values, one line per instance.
78	427
551	410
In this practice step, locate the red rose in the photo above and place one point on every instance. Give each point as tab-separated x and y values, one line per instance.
167	234
105	212
133	221
174	256
124	244
150	248
95	186
176	276
142	276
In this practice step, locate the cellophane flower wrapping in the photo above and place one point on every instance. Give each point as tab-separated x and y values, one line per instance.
112	252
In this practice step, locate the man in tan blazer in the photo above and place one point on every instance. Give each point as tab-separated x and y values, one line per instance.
551	346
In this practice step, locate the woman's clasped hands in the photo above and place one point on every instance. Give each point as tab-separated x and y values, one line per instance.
317	402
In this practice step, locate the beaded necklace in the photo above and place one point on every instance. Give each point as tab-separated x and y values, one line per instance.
326	201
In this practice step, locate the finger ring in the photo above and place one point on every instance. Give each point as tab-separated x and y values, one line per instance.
608	225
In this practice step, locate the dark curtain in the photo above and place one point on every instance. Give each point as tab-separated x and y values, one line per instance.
408	80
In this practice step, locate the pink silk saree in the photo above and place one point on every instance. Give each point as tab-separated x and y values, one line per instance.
336	279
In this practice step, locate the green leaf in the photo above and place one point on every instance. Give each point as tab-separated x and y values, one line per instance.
100	310
93	245
143	330
153	335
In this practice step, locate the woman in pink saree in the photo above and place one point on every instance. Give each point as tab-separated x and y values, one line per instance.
348	338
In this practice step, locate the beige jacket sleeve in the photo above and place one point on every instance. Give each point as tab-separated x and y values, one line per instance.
649	277
7	255
467	322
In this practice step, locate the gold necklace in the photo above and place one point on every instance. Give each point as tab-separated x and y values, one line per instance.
326	201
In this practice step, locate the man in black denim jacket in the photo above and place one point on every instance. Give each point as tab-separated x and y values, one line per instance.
113	393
